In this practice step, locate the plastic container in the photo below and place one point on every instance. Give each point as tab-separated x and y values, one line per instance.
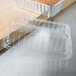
40	38
40	8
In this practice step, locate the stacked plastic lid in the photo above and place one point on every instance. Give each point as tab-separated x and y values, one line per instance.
40	8
39	37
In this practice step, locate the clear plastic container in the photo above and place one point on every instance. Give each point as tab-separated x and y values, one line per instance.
45	10
39	38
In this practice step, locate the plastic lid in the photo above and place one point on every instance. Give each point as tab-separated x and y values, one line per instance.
42	38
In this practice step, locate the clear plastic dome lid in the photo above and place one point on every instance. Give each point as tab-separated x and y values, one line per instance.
39	38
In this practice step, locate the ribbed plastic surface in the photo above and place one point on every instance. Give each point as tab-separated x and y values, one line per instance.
45	10
41	38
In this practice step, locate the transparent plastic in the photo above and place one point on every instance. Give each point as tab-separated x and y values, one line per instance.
40	38
45	10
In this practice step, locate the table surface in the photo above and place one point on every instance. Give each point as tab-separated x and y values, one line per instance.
18	65
8	10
